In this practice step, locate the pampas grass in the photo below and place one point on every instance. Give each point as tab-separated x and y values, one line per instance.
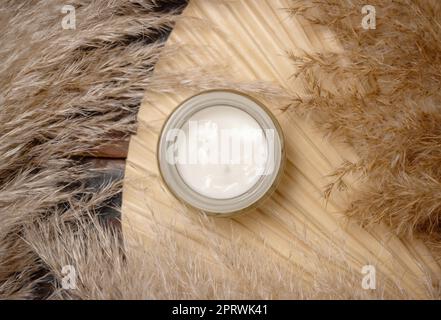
381	96
166	270
64	93
67	92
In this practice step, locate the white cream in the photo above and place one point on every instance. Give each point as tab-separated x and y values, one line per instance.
223	154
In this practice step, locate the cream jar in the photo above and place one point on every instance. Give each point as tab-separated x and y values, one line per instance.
221	152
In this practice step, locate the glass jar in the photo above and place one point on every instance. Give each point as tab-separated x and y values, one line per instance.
239	185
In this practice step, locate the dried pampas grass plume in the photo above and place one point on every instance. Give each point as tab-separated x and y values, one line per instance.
64	93
168	270
381	96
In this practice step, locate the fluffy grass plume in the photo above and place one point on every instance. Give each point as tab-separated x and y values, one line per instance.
382	97
63	94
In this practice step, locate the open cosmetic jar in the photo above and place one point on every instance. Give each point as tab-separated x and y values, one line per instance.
221	152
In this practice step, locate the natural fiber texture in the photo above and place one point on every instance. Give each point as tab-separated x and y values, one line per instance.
166	269
392	119
63	94
66	92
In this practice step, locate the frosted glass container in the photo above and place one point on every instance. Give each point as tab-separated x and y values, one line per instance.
221	152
